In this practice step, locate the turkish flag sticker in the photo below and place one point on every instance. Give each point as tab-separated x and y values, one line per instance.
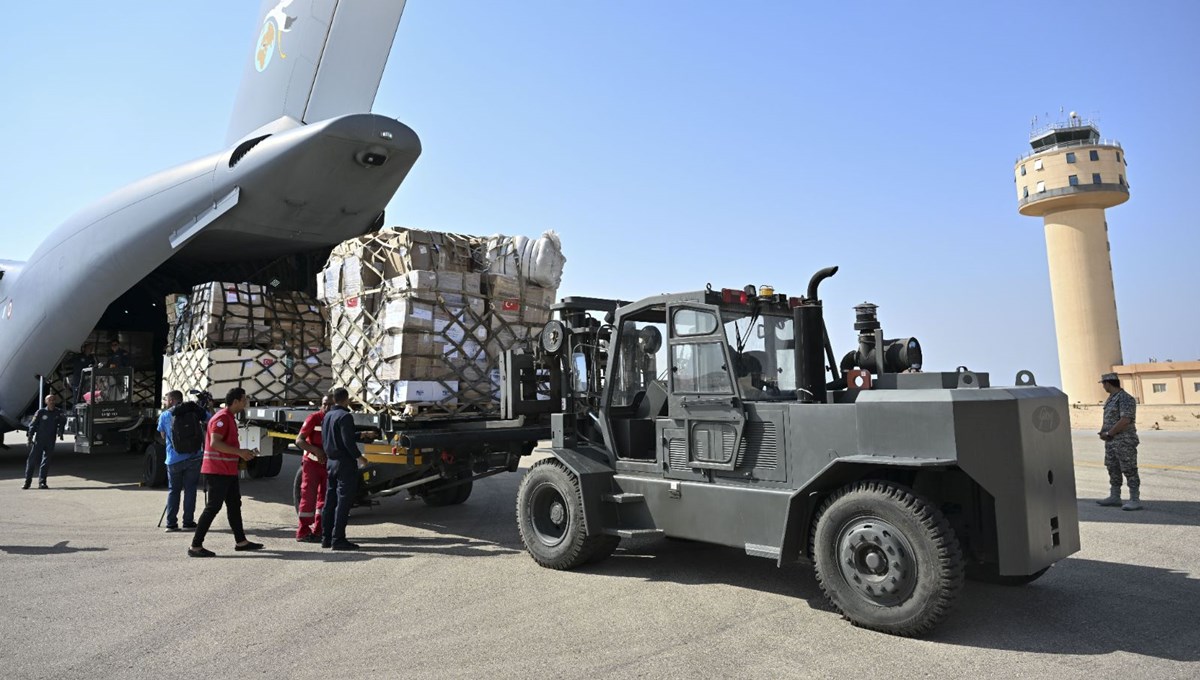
511	305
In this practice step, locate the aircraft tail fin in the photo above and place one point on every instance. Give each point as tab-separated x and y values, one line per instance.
312	60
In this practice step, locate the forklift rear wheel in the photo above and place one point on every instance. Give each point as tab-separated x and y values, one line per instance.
887	558
154	467
550	519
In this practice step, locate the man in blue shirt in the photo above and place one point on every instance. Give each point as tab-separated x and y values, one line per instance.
183	468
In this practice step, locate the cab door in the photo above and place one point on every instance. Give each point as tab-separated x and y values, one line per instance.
703	403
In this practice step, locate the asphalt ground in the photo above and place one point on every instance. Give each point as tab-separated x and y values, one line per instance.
93	590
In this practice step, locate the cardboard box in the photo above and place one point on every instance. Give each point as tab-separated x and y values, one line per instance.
405	314
424	392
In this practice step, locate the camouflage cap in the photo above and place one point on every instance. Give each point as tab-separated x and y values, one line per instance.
1109	376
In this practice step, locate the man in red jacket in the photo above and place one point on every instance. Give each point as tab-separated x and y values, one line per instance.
313	475
220	470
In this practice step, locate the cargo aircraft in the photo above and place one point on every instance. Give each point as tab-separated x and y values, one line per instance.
305	166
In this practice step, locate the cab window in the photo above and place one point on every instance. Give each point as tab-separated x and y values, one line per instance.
700	368
687	322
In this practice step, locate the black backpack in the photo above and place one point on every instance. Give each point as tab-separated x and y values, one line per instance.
187	427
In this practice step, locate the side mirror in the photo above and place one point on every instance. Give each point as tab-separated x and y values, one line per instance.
579	374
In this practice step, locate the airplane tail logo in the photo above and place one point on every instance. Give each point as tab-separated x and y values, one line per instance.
270	38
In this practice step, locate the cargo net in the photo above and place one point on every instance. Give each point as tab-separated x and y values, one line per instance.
418	320
224	335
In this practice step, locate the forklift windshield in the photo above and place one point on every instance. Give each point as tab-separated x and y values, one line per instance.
107	385
762	349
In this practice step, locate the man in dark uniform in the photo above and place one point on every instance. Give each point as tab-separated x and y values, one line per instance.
1120	444
45	427
342	462
117	356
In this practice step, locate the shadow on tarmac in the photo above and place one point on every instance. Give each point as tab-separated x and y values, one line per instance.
120	471
1083	607
60	548
1170	513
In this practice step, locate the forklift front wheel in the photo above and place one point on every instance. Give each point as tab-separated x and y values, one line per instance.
887	558
550	519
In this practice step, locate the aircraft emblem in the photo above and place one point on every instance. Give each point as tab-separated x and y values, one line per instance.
270	38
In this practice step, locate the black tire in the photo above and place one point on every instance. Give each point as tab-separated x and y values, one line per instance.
990	573
154	466
454	495
296	489
256	468
550	519
886	558
272	465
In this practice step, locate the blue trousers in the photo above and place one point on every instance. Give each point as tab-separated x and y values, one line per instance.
183	478
340	494
38	450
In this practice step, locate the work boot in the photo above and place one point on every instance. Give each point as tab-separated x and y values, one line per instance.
27	482
1113	500
1134	502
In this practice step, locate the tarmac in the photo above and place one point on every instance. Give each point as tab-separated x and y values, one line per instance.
95	590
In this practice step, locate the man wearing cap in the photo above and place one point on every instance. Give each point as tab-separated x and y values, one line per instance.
1120	443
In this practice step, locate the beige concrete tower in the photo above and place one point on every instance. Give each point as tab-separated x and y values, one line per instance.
1069	179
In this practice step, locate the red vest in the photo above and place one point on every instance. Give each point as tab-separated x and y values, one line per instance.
215	462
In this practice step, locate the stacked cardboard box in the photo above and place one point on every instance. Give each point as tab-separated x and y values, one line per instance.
417	322
225	335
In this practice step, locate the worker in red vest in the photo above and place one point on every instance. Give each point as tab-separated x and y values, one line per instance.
220	470
314	478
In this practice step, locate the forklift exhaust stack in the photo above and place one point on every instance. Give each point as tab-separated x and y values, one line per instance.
809	320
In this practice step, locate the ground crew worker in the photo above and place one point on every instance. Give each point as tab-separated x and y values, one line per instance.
45	427
220	470
183	468
341	449
117	357
1120	444
314	477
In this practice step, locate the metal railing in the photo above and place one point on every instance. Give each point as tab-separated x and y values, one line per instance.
1110	143
1067	190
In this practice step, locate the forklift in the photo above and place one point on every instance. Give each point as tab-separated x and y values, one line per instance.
724	416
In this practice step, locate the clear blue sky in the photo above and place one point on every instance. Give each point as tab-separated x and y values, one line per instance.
677	143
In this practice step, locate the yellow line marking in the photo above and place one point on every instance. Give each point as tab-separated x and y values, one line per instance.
1141	466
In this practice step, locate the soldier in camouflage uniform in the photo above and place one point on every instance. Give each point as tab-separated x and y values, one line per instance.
1120	443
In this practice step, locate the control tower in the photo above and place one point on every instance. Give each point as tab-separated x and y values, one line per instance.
1069	178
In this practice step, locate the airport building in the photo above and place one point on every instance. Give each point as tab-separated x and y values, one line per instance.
1167	382
1069	178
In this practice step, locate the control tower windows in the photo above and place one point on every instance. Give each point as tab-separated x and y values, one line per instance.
1096	178
1121	180
1073	180
1024	192
1037	165
1070	156
1041	187
1093	155
1022	170
1118	156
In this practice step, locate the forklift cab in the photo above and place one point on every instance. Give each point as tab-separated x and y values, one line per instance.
105	416
691	376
